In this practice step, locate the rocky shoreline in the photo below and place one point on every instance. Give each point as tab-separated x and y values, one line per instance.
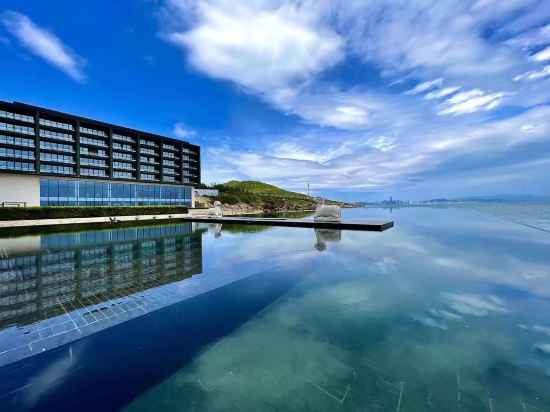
246	209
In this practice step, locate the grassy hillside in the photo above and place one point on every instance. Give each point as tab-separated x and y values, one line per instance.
260	188
263	196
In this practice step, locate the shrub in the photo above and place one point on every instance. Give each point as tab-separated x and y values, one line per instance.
58	212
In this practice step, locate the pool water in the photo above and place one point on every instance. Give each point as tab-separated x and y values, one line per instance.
448	310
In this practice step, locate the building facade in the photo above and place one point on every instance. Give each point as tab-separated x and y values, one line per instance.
49	158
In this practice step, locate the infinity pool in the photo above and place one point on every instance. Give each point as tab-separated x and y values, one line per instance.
447	311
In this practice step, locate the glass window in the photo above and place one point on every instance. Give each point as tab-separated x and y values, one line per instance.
70	192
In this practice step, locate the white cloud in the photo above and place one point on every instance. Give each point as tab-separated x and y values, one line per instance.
292	149
534	37
360	162
347	116
346	109
182	131
422	87
44	44
277	49
534	74
435	37
438	94
261	48
382	143
542	55
470	102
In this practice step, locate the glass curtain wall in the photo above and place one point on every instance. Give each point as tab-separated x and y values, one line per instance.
65	192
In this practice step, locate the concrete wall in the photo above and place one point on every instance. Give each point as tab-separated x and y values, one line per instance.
20	188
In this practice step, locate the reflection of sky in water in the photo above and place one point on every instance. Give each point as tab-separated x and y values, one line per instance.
447	311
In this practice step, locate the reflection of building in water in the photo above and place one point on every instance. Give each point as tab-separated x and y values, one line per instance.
324	236
83	278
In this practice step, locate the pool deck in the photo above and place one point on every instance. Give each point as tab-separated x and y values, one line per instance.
363	225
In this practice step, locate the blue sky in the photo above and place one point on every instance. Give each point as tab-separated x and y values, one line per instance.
363	100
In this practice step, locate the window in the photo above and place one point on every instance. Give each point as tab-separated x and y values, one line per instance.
66	170
122	165
92	162
147	143
150	160
56	146
122	194
93	172
168	154
59	125
17	116
168	171
123	147
169	163
16	165
56	135
16	128
93	132
63	192
122	156
147	151
145	168
168	147
93	152
123	138
16	141
122	175
16	153
94	142
56	157
145	176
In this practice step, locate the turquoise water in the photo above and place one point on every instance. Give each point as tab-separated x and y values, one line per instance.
446	311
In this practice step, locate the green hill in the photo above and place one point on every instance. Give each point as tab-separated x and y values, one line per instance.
263	196
251	186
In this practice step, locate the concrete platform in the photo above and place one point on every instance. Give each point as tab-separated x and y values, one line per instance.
364	225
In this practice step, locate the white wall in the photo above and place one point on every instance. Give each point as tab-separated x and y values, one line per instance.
20	188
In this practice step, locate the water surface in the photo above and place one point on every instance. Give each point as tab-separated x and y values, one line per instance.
446	311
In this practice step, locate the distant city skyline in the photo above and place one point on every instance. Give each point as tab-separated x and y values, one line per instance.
362	100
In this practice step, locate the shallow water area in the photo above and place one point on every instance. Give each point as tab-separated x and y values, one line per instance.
445	311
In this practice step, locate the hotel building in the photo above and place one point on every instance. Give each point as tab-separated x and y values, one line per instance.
49	158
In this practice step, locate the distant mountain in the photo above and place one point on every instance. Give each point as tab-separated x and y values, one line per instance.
505	198
439	200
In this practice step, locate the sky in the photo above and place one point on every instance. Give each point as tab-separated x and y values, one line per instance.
362	100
